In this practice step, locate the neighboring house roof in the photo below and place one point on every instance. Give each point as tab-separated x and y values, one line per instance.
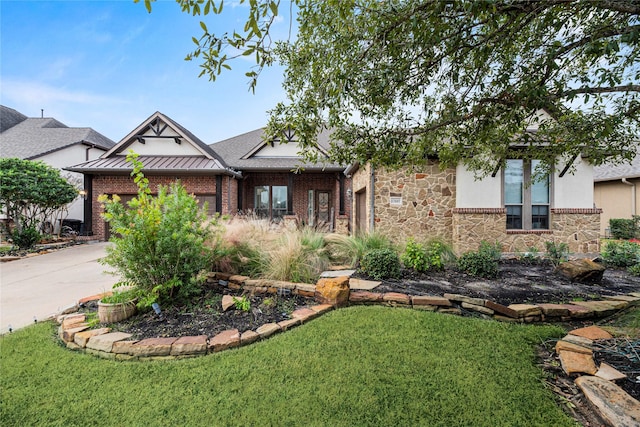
615	172
9	118
30	138
159	127
243	152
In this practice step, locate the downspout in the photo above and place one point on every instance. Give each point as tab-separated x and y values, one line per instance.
372	198
633	195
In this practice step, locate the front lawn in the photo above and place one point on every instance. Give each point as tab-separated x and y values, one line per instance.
352	367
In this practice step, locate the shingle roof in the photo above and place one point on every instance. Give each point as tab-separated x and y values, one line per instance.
163	164
9	118
235	152
614	172
33	137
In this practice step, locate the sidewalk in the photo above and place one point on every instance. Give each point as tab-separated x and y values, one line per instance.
43	285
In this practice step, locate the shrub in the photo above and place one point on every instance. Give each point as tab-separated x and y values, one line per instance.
531	256
634	270
350	249
298	256
159	242
557	253
622	228
483	263
621	254
381	264
25	237
424	258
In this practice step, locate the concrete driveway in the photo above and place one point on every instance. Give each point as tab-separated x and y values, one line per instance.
43	285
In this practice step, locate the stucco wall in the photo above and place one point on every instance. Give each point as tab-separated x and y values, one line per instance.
615	200
71	156
573	190
163	147
473	193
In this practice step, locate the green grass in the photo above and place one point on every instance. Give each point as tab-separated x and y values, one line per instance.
352	367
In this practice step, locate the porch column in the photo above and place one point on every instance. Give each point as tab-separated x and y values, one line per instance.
88	205
240	185
219	194
341	204
290	195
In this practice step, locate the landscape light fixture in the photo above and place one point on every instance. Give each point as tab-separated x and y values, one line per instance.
156	308
10	329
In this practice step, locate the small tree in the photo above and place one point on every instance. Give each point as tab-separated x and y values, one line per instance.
30	192
159	241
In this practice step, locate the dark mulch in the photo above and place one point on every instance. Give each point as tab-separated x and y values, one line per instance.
517	282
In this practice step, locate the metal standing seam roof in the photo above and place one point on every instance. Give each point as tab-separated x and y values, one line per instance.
163	164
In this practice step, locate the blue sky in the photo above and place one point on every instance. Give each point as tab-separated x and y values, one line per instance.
109	65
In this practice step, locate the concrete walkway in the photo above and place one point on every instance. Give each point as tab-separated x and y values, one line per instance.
43	285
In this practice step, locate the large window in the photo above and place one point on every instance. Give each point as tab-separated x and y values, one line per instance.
526	196
270	201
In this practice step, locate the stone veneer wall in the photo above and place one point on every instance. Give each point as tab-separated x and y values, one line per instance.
578	228
428	197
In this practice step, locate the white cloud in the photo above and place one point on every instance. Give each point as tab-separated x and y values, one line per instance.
37	93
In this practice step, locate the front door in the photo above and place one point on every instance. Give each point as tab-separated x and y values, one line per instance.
323	207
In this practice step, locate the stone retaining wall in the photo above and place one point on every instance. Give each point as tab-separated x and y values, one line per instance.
75	332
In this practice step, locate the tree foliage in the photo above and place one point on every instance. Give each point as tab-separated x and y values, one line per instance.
32	191
158	240
400	80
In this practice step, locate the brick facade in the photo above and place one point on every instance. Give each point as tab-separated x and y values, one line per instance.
123	185
302	184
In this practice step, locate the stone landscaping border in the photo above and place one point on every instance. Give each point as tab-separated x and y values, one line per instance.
329	292
611	403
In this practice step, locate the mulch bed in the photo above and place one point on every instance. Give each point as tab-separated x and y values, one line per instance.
517	282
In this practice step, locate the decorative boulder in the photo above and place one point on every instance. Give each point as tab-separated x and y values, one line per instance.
582	271
333	291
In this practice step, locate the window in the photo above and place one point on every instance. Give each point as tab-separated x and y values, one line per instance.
526	201
270	201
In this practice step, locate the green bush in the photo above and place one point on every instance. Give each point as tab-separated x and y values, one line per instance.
26	237
381	264
557	253
634	270
424	258
621	254
483	263
622	228
350	249
158	241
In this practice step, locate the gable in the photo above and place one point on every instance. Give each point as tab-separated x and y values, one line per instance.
161	136
274	150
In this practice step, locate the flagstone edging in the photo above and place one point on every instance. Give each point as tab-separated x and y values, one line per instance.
76	334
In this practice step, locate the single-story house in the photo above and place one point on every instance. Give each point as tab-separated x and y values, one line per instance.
54	143
237	175
616	188
507	207
247	173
